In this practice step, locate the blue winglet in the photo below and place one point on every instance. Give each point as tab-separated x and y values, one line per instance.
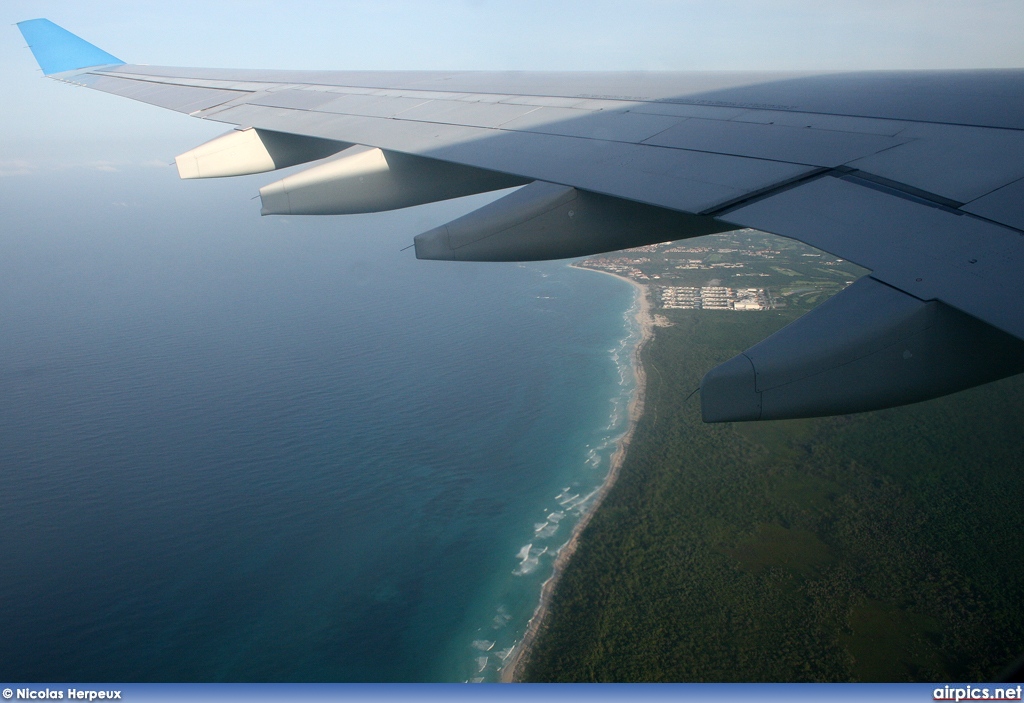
58	50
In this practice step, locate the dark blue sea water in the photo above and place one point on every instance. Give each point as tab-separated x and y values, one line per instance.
235	449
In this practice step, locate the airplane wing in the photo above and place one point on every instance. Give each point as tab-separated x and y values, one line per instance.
917	176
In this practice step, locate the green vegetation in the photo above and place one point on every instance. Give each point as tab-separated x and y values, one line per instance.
876	547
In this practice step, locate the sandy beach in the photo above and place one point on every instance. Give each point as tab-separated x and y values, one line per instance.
513	669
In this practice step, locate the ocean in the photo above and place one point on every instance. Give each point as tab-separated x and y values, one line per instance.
282	449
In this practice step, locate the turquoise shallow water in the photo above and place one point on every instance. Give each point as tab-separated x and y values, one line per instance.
236	449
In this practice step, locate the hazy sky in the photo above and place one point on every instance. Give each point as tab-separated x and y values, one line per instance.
47	125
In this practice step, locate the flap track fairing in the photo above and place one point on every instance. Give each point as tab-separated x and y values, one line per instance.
549	221
869	347
246	151
364	179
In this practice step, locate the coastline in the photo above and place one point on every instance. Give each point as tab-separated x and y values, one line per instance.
512	671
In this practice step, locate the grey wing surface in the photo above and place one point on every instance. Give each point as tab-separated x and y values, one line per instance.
916	176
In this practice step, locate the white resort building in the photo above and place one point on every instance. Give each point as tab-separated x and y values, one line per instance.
713	298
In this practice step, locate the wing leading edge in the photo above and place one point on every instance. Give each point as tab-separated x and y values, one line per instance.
893	171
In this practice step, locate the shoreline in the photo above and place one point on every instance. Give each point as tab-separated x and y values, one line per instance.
512	670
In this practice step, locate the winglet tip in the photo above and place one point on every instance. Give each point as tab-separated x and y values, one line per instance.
57	50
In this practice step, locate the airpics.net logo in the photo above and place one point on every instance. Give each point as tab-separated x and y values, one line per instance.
977	693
